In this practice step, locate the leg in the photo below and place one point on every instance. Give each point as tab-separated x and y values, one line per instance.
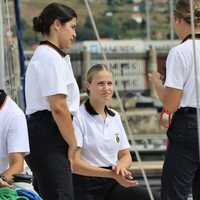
119	192
178	172
54	180
195	185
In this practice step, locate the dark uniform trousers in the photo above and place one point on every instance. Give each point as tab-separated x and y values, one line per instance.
96	188
48	158
181	170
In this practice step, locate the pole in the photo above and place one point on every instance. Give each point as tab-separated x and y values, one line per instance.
2	53
171	8
195	71
147	20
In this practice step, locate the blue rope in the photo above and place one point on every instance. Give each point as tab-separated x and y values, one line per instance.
29	194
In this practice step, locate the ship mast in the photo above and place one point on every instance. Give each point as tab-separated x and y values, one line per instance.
2	58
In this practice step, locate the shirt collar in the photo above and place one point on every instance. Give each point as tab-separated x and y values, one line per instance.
2	97
92	111
63	54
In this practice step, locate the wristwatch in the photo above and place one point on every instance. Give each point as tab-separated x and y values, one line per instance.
3	177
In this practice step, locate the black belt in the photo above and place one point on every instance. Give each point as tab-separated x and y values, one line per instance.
186	110
39	113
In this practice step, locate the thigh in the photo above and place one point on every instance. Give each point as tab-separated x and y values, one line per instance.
91	188
178	172
54	180
119	192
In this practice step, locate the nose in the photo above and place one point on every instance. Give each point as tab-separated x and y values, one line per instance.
74	34
106	87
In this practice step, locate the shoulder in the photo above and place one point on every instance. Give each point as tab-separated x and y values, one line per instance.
12	109
46	53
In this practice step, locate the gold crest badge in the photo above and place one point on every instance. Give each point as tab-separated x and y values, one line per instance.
117	138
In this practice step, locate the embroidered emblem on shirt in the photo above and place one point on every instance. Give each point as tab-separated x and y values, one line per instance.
117	138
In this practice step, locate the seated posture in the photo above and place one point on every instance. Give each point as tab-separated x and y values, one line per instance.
13	139
102	159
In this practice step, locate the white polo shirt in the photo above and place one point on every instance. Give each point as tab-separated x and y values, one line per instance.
13	132
48	73
100	140
180	71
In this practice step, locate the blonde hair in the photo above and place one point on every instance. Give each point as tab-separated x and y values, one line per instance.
93	70
182	10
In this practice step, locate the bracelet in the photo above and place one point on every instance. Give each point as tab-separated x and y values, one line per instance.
3	178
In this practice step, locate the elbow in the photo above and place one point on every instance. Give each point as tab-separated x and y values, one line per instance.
58	109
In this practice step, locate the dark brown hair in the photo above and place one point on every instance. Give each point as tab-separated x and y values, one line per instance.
49	14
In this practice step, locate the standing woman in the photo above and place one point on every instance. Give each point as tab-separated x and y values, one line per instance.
52	98
102	158
181	170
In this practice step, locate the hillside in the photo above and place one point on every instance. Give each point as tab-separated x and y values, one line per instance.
120	20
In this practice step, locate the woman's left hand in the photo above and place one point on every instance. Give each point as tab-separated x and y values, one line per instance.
118	169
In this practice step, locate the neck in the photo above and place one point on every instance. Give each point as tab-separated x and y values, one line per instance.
99	107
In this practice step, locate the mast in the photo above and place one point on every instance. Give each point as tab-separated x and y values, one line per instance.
2	58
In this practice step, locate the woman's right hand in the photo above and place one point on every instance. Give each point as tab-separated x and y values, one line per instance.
4	184
125	181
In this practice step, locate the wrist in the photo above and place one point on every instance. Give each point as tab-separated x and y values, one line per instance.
2	177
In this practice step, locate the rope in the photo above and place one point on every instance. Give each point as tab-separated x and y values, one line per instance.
29	194
10	194
120	104
164	111
196	70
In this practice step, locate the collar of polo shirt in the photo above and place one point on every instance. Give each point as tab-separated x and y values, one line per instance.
92	111
2	97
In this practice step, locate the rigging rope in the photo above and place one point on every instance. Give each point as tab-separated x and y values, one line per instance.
120	103
195	70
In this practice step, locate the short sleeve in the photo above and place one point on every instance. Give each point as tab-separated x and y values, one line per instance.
53	78
17	137
176	72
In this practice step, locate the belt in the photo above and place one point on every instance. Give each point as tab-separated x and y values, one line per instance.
39	113
186	110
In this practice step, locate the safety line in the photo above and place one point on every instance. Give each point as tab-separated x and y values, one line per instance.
195	71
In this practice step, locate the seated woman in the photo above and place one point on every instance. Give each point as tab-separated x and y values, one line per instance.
102	159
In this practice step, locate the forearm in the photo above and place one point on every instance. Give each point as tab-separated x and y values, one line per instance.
64	123
160	90
16	165
125	161
83	168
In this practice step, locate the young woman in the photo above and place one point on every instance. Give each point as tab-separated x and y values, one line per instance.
52	98
102	159
181	170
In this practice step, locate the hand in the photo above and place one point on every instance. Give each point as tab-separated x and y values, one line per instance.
71	154
125	181
155	77
118	169
4	184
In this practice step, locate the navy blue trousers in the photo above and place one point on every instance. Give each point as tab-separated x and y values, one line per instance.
48	158
181	170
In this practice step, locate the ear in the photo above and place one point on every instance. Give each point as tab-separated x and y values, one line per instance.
177	20
87	86
56	24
